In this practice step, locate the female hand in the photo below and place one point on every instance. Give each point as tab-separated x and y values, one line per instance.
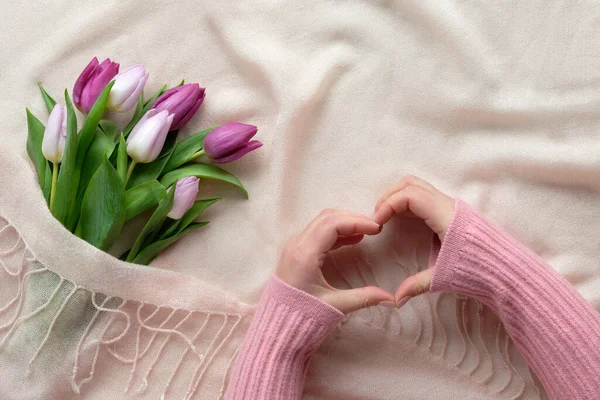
303	256
413	197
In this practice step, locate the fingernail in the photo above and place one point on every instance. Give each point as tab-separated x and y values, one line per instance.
389	304
403	301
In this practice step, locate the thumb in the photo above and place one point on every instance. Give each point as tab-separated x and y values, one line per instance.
355	299
413	286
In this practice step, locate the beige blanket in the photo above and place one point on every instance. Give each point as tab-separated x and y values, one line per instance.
494	102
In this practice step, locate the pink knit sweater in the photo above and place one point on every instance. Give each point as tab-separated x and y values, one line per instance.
554	328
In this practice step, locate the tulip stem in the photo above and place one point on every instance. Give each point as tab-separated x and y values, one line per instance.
198	154
130	170
53	188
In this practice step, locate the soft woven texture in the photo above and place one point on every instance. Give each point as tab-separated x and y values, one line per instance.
552	325
496	103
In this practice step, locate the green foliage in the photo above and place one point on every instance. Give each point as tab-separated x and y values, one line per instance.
206	171
103	209
143	197
185	150
35	136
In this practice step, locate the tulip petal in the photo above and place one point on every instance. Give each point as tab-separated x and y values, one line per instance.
148	136
126	83
242	151
163	97
103	74
159	140
132	100
191	112
182	102
83	78
140	123
178	95
228	138
186	191
53	143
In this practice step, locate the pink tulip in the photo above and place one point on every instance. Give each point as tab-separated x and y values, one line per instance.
185	196
127	88
230	141
55	134
182	102
147	138
91	82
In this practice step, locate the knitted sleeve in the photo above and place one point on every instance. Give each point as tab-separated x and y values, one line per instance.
553	327
289	325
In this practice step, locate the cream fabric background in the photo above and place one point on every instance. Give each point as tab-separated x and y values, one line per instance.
497	103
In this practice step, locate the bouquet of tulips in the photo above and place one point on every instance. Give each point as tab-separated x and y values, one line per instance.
97	177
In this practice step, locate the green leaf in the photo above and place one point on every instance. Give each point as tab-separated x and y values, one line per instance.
109	128
48	100
103	207
141	109
194	212
47	187
168	229
156	95
137	115
185	149
101	148
150	252
122	159
151	171
143	197
35	136
206	171
188	218
90	125
181	83
153	224
69	211
68	177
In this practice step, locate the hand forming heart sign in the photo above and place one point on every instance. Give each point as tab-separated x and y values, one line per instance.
303	256
557	331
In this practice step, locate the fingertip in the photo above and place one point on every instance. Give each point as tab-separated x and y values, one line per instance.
380	295
402	301
376	228
379	218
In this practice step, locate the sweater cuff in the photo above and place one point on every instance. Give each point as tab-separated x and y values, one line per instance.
297	300
289	325
444	258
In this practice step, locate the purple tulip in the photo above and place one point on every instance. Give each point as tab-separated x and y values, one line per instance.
55	134
91	82
182	102
147	138
185	196
127	88
230	141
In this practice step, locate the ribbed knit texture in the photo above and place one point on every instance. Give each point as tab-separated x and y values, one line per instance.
288	327
553	327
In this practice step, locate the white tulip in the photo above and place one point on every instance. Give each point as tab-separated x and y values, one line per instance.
185	196
55	134
147	138
127	88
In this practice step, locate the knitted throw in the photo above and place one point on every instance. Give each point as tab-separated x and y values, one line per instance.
497	104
